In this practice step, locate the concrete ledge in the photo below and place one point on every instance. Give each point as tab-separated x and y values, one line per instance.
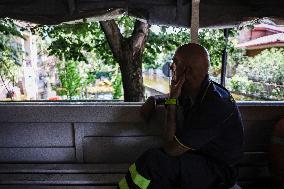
83	112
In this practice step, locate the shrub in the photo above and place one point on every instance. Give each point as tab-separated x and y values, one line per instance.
238	84
268	67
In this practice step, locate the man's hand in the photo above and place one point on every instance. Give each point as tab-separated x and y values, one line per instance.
170	125
170	121
176	85
148	108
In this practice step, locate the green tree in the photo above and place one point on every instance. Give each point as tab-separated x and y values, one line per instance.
129	43
10	53
72	80
76	41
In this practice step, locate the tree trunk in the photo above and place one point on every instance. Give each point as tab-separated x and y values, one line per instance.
128	52
131	74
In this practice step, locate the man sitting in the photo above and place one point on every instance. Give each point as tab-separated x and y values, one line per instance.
203	131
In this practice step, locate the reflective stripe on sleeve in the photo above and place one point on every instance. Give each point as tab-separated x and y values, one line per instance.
123	184
138	179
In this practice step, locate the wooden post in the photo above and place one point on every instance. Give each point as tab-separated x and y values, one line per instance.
194	21
224	58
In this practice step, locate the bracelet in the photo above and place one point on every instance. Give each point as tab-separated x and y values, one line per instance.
171	101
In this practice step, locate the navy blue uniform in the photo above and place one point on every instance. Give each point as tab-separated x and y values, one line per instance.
212	127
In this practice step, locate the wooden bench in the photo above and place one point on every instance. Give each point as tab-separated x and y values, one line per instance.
90	145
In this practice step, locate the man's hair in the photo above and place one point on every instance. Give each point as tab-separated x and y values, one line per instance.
195	53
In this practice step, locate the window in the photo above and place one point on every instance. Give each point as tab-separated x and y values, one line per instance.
75	64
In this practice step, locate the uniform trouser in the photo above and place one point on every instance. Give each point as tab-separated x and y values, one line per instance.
157	170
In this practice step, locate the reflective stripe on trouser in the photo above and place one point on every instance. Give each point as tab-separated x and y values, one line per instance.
137	179
123	184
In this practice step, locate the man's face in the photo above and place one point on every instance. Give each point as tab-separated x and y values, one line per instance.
189	66
193	72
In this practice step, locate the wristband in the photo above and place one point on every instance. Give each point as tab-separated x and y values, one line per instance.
171	101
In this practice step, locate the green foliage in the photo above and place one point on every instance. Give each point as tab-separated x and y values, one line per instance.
251	23
117	86
9	48
8	68
238	83
75	41
163	41
234	60
268	66
243	85
252	88
126	25
168	39
10	52
72	78
9	28
261	76
215	42
78	41
278	92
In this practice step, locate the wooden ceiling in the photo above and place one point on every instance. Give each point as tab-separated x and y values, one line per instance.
213	13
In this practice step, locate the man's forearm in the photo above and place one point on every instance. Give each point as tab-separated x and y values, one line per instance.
172	147
170	125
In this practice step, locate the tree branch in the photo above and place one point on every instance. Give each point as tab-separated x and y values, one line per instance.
113	35
139	36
